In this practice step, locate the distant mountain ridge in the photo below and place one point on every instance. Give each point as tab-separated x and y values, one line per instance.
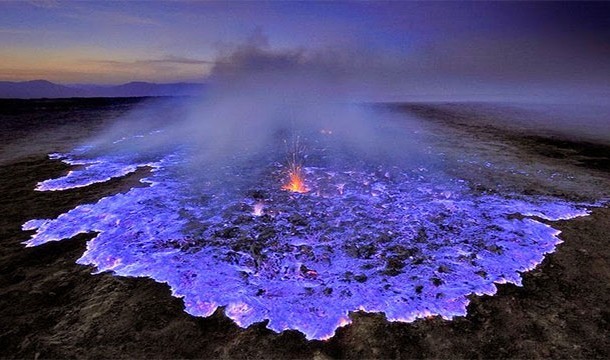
46	89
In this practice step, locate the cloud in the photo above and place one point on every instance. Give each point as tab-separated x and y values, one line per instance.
356	71
164	69
255	56
182	60
479	67
164	60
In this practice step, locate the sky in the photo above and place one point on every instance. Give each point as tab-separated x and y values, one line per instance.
393	47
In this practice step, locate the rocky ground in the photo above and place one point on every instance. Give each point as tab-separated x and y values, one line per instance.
51	307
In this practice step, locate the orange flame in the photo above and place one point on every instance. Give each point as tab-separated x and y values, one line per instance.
296	183
295	165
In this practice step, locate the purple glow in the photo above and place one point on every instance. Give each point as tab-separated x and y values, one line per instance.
95	171
406	242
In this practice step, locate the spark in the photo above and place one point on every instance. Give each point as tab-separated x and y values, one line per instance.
296	178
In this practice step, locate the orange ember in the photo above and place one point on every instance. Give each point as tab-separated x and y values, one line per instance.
295	166
297	183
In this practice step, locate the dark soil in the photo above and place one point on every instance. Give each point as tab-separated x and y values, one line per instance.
51	307
549	142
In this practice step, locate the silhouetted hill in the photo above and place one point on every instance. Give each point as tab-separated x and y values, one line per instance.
47	89
35	89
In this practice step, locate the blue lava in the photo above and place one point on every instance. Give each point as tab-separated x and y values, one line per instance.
410	243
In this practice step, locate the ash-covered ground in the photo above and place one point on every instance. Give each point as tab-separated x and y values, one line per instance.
356	216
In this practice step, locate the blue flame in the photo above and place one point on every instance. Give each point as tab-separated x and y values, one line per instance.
409	243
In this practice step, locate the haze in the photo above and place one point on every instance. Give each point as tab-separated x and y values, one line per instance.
379	51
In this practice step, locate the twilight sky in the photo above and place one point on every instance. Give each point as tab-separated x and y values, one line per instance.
396	48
